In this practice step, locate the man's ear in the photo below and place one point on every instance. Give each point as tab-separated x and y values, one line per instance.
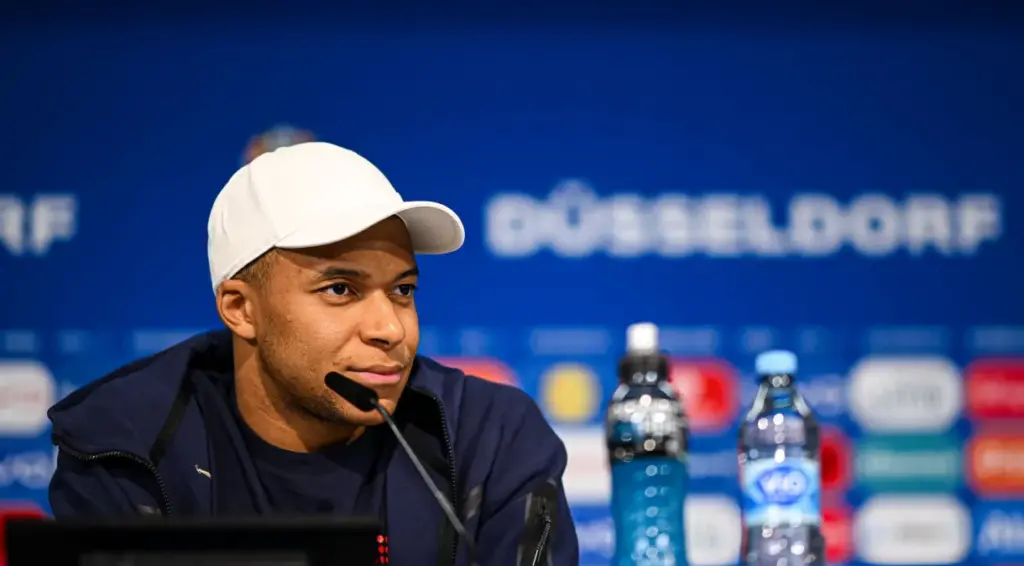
236	305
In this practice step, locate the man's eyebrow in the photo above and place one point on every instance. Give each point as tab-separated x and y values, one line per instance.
334	272
412	272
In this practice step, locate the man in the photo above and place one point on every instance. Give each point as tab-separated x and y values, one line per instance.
312	261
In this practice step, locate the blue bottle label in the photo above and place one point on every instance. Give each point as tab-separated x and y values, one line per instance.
647	506
781	492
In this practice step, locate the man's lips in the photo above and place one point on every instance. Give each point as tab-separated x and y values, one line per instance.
377	375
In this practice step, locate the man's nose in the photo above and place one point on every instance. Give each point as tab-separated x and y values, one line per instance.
380	324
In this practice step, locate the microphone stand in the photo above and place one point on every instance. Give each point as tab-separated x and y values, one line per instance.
446	506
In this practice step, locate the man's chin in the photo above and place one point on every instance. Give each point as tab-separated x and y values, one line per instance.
361	419
354	416
388	405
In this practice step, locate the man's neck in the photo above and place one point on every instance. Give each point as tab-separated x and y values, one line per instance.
265	412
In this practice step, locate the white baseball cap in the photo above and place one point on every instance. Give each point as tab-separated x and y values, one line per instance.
312	194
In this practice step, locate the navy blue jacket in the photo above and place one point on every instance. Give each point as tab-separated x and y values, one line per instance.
158	437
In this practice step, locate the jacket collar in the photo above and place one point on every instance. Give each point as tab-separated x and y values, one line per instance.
126	410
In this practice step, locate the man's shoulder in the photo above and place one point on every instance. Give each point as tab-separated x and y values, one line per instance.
503	442
476	395
127	406
482	412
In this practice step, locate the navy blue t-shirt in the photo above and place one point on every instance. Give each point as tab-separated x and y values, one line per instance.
342	479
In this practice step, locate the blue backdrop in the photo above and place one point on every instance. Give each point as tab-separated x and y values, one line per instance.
848	191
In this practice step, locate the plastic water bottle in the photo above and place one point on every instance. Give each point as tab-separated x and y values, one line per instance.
647	440
780	471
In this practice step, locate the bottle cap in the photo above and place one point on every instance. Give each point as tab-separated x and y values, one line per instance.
776	362
642	338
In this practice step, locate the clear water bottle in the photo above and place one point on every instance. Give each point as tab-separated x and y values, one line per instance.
647	439
780	471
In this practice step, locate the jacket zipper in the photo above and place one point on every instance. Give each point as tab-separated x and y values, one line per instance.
542	542
165	498
450	453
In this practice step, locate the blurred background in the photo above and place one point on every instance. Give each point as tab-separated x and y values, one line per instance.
844	182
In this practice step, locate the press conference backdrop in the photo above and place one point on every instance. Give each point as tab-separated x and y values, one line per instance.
851	192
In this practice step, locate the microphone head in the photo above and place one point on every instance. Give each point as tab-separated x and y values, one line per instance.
361	396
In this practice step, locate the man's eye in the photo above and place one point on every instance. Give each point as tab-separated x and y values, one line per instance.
406	290
338	289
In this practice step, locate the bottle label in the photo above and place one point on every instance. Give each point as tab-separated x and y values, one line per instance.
647	508
787	492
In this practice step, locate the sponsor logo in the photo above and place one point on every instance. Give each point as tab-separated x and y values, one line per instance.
708	391
835	460
837	528
275	138
912	530
587	479
1000	531
573	221
995	462
31	228
485	368
570	393
30	470
908	395
995	389
909	463
714	530
781	485
26	392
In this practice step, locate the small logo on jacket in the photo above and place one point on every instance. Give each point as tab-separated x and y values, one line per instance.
203	472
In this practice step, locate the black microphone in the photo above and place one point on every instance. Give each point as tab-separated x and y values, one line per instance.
365	399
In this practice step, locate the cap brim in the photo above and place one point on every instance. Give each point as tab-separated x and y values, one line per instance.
433	227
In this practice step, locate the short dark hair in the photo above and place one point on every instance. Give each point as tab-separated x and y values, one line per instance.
257	272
